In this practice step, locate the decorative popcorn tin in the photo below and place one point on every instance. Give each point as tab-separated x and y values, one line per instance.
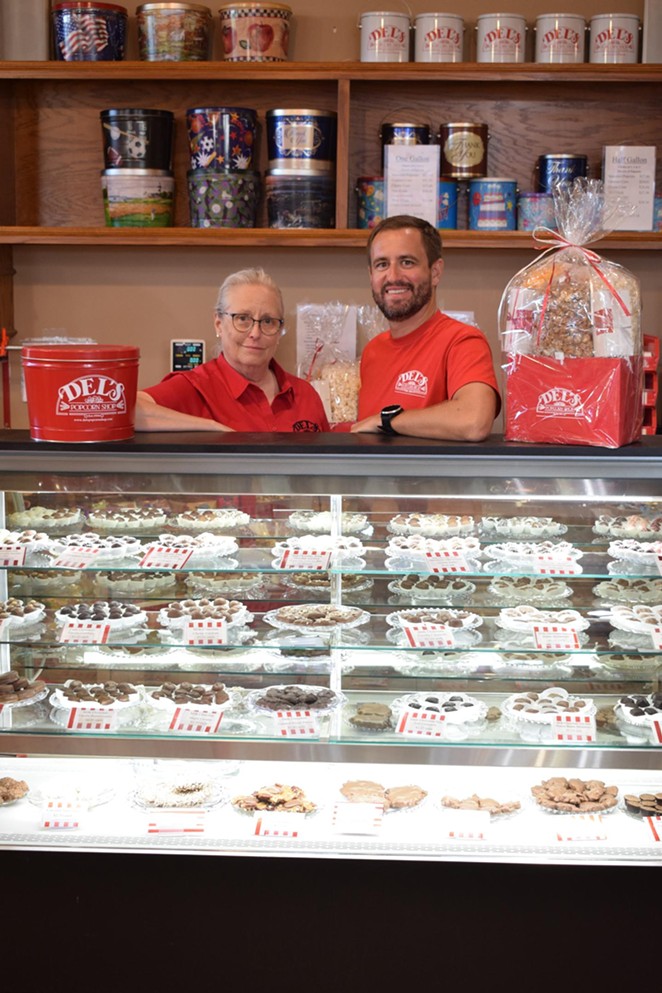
560	38
500	38
301	139
88	32
384	36
174	32
614	38
438	38
255	32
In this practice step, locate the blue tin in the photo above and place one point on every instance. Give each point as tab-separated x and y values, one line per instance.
657	214
492	204
89	32
222	138
535	210
447	205
302	140
371	196
369	201
553	169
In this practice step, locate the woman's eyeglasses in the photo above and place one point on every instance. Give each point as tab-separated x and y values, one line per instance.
244	323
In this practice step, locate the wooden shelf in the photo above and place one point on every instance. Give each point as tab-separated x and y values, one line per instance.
291	238
335	71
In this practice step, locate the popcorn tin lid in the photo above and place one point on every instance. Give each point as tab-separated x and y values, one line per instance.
81	353
308	112
137	172
91	6
256	7
146	8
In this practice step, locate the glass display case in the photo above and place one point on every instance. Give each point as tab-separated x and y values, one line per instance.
332	647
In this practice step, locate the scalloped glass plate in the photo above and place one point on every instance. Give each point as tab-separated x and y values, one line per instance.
431	525
85	796
319	522
164	795
470	621
362	583
475	713
412	562
443	591
20	704
571	813
361	617
253	697
629	590
526	528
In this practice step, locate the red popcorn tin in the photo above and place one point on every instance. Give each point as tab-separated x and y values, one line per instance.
81	393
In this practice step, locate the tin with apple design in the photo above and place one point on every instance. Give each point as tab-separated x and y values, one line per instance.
255	32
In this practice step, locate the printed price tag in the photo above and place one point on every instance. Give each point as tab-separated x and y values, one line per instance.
164	557
357	818
655	826
273	824
61	814
206	632
555	636
428	635
551	565
448	561
421	724
658	559
304	558
5	718
12	555
466	825
580	827
177	822
76	558
296	724
656	635
572	729
196	720
657	732
85	633
92	719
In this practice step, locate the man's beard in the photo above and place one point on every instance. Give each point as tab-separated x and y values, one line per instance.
402	310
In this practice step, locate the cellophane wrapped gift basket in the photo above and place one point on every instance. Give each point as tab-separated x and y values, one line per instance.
571	333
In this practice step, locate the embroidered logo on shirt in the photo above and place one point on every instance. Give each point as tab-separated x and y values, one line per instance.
305	426
413	383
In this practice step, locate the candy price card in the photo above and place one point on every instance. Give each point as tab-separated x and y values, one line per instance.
196	720
177	822
428	635
296	724
61	814
550	565
98	719
555	637
84	633
205	632
573	729
164	557
12	555
274	824
466	825
357	818
446	561
305	558
579	827
77	558
421	724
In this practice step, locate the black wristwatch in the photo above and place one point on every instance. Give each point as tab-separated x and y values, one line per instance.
387	415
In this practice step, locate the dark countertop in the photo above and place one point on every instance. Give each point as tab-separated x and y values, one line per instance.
336	444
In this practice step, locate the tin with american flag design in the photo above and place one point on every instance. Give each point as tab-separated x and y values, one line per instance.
89	32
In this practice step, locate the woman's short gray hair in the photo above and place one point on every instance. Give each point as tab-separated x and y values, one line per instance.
246	277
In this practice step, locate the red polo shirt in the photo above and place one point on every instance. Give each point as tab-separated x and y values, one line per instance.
217	391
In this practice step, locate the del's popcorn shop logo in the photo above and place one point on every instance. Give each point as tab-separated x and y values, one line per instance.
559	402
91	395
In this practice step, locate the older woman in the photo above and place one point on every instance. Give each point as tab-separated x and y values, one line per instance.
244	389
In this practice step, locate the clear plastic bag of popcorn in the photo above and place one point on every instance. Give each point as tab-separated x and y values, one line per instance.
570	302
326	363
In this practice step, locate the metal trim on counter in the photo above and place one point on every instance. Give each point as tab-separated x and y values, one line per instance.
336	460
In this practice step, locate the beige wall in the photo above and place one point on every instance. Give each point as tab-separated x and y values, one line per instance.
148	296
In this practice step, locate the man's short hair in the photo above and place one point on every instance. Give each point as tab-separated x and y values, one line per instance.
429	234
246	277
